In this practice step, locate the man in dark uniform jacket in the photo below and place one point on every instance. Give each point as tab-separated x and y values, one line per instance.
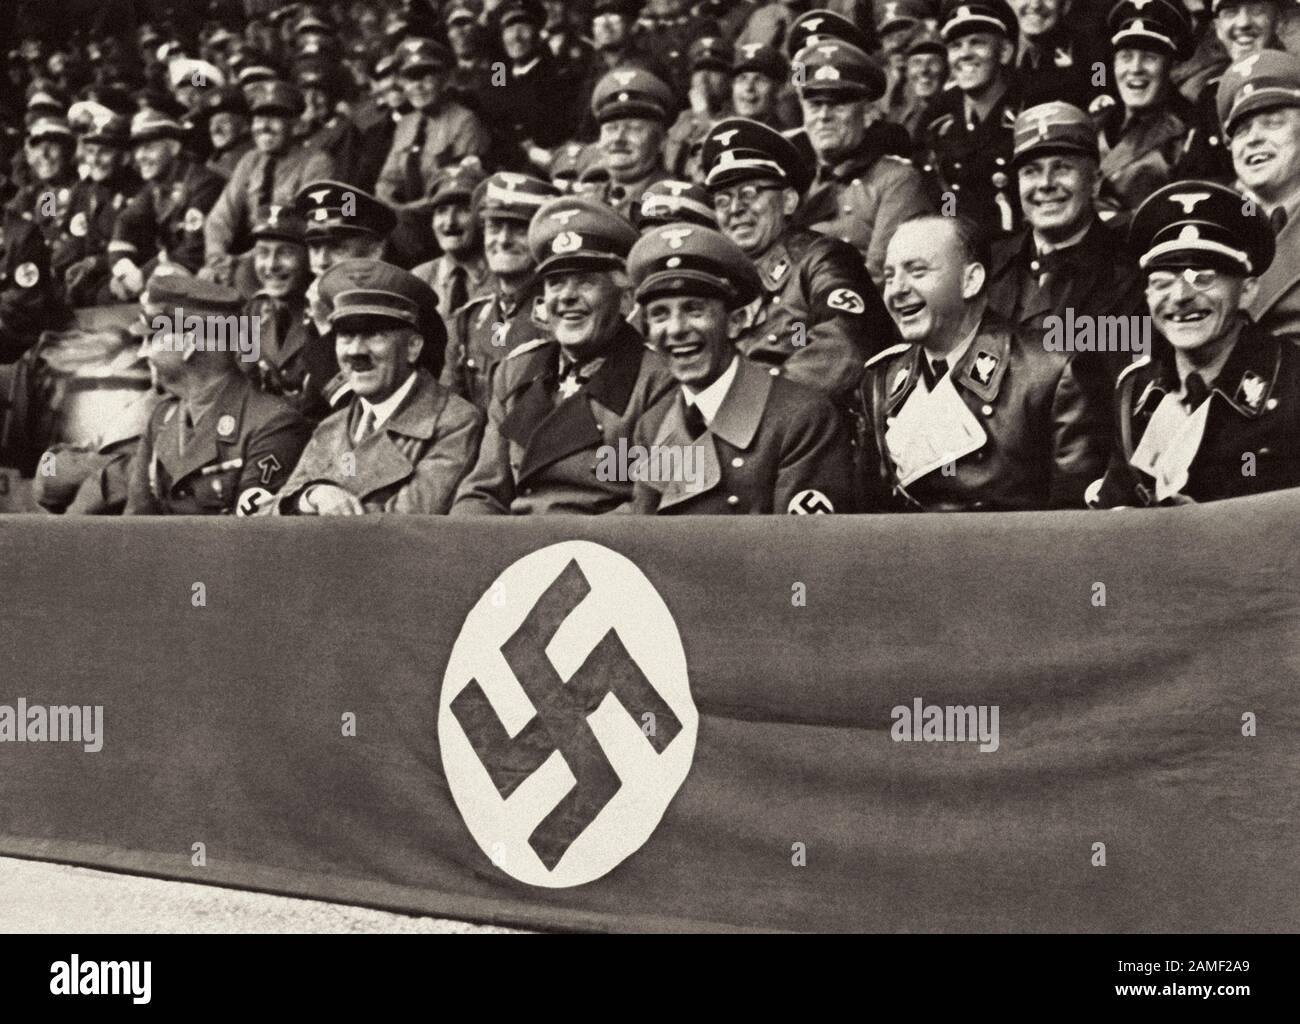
557	404
1214	412
1060	43
748	442
217	445
969	131
967	414
817	315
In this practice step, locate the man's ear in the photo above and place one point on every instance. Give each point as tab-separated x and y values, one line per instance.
1006	52
789	201
972	280
414	346
1249	289
735	322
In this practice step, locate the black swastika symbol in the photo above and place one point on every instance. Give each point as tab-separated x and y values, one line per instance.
561	719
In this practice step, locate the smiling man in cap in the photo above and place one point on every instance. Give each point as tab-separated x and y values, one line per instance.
216	445
1214	411
633	109
271	174
817	316
461	272
757	443
1259	106
558	402
402	442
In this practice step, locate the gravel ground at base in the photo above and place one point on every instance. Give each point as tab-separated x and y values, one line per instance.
40	897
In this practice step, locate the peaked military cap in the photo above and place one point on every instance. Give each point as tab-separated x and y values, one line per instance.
837	68
667	202
901	14
740	149
963	18
457	183
631	92
193	296
360	287
275	97
710	53
512	196
1262	81
511	11
766	60
1054	127
1193	223
1158	25
418	54
821	26
149	126
579	233
279	223
334	208
686	259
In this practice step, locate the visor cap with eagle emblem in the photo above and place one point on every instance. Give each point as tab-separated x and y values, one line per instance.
962	18
822	26
579	233
114	132
56	128
457	184
512	196
631	92
333	209
1054	127
686	259
418	56
275	97
1201	224
511	11
895	15
279	224
373	288
739	149
1161	26
230	100
149	126
710	53
1262	81
668	201
167	293
836	68
926	41
766	60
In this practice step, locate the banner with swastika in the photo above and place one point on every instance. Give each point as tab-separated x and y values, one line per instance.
920	723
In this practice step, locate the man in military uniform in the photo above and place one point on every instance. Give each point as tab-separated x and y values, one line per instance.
1259	106
403	442
217	445
1144	136
757	77
438	132
926	69
672	202
1065	262
80	255
164	221
969	134
224	116
817	316
632	108
665	31
45	199
487	329
461	272
31	300
710	59
271	174
966	414
1214	412
613	46
558	403
757	444
1060	44
863	192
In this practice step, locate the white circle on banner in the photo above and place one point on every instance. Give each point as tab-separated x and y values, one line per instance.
566	720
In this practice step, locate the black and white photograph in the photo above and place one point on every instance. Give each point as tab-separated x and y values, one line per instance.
536	469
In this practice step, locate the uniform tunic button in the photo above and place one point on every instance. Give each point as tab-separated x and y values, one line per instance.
737	462
732	500
1034	265
775	371
1265	451
1271	404
987	410
527	492
848	209
1000	161
771	337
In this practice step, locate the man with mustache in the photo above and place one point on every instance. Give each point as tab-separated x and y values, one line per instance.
968	133
1214	411
1065	258
461	272
80	257
967	414
403	441
216	445
271	174
558	402
759	444
487	329
164	221
1144	136
863	189
1259	107
224	116
632	108
817	315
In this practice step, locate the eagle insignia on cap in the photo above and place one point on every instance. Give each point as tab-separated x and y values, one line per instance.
1188	200
891	10
1139	4
1245	66
319	197
564	216
566	241
511	180
274	219
624	78
677	188
725	137
676	237
813	24
751	49
1252	389
984	366
828	51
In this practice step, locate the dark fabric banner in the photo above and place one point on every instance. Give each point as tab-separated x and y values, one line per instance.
1035	722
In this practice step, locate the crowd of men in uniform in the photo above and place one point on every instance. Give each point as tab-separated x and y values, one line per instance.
840	256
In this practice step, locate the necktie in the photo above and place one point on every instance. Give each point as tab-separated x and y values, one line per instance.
933	373
366	427
1194	391
415	164
458	289
1277	219
694	419
266	189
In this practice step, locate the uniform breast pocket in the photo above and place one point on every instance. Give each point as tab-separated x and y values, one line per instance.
214	493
